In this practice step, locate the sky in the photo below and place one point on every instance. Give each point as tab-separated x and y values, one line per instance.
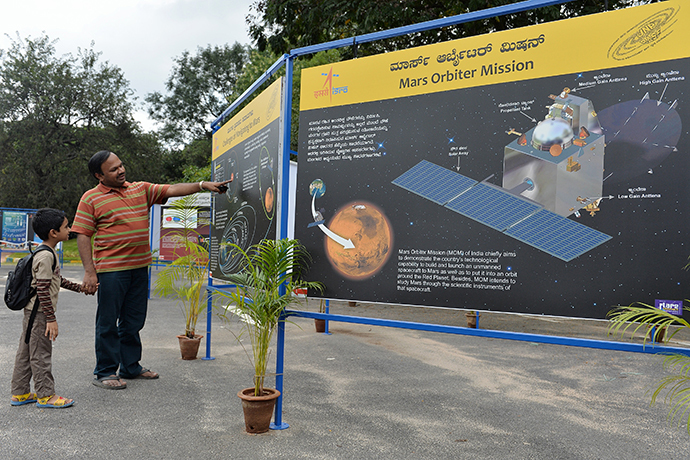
140	36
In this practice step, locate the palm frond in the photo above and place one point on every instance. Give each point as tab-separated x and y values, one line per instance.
636	316
185	277
677	388
272	270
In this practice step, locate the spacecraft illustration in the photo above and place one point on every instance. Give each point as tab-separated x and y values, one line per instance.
560	162
556	170
550	172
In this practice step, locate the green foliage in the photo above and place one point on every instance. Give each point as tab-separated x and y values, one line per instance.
185	277
264	289
639	317
57	111
280	25
70	250
199	88
192	163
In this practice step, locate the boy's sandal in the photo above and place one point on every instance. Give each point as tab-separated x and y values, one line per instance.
28	398
59	403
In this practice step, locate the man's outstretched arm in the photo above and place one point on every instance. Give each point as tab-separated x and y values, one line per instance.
194	187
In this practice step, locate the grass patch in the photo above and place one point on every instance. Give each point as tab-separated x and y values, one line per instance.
69	251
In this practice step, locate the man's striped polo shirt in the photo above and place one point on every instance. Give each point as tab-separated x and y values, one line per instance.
119	218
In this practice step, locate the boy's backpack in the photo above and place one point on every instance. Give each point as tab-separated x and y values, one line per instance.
18	290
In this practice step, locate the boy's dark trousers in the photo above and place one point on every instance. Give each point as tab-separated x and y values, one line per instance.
34	359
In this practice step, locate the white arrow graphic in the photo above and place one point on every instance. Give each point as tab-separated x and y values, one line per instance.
346	244
534	120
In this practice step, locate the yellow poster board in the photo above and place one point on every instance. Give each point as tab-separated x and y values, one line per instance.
643	34
264	109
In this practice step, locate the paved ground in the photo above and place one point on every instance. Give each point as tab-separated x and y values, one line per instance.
362	392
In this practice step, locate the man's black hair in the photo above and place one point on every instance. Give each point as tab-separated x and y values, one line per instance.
97	161
47	219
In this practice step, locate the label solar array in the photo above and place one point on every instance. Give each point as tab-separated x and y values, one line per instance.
493	206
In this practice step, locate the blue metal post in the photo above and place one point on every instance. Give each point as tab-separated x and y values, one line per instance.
278	423
326	331
149	293
209	317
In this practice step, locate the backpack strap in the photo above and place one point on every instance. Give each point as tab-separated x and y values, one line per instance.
30	324
34	310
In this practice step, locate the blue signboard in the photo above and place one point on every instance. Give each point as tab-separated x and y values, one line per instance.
14	226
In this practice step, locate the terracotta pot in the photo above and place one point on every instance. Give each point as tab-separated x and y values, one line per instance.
660	333
320	325
189	347
472	319
258	410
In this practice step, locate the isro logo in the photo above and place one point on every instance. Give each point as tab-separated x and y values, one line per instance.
674	307
328	88
644	34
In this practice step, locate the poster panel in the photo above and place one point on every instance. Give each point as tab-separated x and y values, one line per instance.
246	149
171	245
14	226
536	170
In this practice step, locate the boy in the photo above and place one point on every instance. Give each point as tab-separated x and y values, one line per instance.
34	359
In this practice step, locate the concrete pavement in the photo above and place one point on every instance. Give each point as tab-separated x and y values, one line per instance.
362	392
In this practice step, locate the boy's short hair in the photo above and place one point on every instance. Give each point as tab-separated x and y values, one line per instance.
97	161
47	219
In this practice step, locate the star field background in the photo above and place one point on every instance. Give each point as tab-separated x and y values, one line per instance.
643	261
248	219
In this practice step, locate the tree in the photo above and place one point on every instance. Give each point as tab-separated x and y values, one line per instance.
259	61
192	163
55	112
282	24
199	88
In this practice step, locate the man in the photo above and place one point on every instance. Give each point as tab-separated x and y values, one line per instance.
115	215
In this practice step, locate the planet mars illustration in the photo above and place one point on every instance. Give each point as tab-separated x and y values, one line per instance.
269	200
371	233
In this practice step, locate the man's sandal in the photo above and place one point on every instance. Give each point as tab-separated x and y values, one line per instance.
147	374
20	400
100	382
59	403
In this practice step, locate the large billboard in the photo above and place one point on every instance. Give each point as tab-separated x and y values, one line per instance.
536	170
247	150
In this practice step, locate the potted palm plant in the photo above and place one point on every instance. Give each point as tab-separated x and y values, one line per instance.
273	269
640	317
184	279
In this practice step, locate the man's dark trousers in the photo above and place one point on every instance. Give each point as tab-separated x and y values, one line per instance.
121	314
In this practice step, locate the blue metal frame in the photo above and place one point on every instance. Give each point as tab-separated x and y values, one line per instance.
287	60
487	333
260	81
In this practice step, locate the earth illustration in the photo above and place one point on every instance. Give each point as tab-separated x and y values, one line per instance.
371	233
317	188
